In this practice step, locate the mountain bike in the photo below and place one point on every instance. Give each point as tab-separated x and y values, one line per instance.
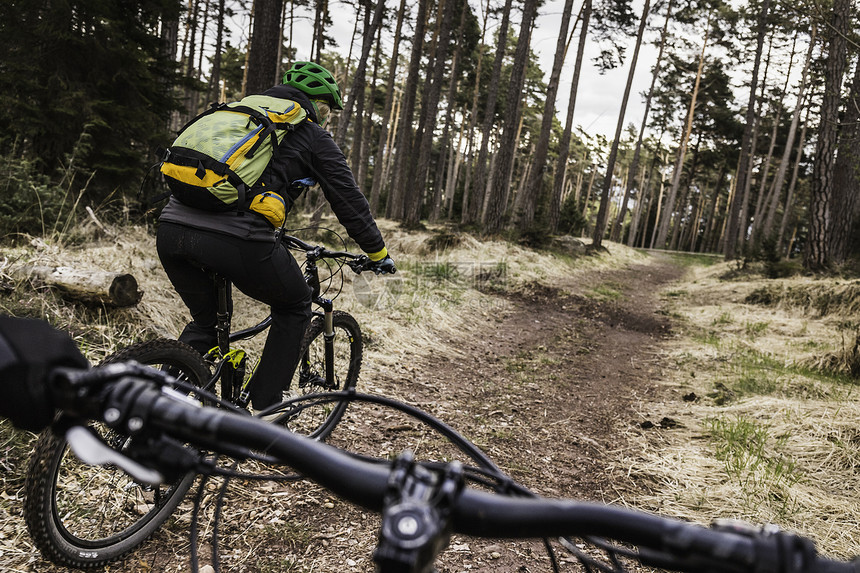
83	516
421	504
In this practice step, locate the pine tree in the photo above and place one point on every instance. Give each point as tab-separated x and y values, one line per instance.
93	75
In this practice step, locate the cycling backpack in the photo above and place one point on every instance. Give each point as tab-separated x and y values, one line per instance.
222	152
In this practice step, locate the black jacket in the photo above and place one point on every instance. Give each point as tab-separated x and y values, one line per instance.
308	152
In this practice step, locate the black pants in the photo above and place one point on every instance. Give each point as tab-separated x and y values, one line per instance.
270	275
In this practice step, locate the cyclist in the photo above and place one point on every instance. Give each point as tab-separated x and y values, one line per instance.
241	245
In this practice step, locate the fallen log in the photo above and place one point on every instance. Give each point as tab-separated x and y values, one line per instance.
94	286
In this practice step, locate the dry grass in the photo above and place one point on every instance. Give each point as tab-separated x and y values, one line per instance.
765	435
770	438
429	303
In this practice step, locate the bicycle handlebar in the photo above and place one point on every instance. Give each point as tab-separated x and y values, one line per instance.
135	400
358	263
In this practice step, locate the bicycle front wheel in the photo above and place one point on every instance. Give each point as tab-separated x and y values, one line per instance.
317	420
86	516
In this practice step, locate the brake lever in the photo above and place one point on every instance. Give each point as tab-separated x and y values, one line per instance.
359	264
91	450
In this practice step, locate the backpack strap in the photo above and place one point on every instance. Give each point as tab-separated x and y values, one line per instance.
270	129
190	158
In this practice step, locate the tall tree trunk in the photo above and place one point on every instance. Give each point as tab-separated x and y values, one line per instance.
659	212
469	188
263	54
653	196
779	181
439	183
564	144
248	50
746	220
846	180
356	92
524	210
429	111
198	69
402	178
603	211
713	209
615	234
168	45
496	204
765	193
789	200
663	232
817	256
189	53
455	163
480	179
381	147
215	77
318	39
747	141
682	202
637	210
367	117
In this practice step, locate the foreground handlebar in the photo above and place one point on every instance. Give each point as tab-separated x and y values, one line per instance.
142	407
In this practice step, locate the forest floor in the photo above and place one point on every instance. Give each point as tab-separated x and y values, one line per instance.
562	382
547	388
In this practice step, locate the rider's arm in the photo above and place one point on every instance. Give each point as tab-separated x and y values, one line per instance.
29	350
343	194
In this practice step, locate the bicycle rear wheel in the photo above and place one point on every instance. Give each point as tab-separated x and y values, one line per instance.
86	516
318	420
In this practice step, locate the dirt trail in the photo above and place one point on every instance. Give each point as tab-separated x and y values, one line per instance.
545	387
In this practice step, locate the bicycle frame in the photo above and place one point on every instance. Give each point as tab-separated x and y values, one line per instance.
232	379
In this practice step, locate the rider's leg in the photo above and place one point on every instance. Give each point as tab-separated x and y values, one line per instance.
193	284
275	278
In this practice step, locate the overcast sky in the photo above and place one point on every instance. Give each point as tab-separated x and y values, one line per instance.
599	96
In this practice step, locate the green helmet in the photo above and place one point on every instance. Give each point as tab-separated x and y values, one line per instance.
314	80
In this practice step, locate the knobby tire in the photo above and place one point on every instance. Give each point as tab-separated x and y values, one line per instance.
319	419
87	516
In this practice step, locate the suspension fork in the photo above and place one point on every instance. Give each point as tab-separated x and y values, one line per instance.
312	278
328	341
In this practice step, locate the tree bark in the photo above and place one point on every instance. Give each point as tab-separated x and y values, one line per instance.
496	204
846	182
524	211
363	143
356	92
468	183
381	147
817	256
779	181
429	113
476	202
603	211
215	77
439	182
564	144
615	234
86	285
663	232
402	178
789	200
263	53
734	223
